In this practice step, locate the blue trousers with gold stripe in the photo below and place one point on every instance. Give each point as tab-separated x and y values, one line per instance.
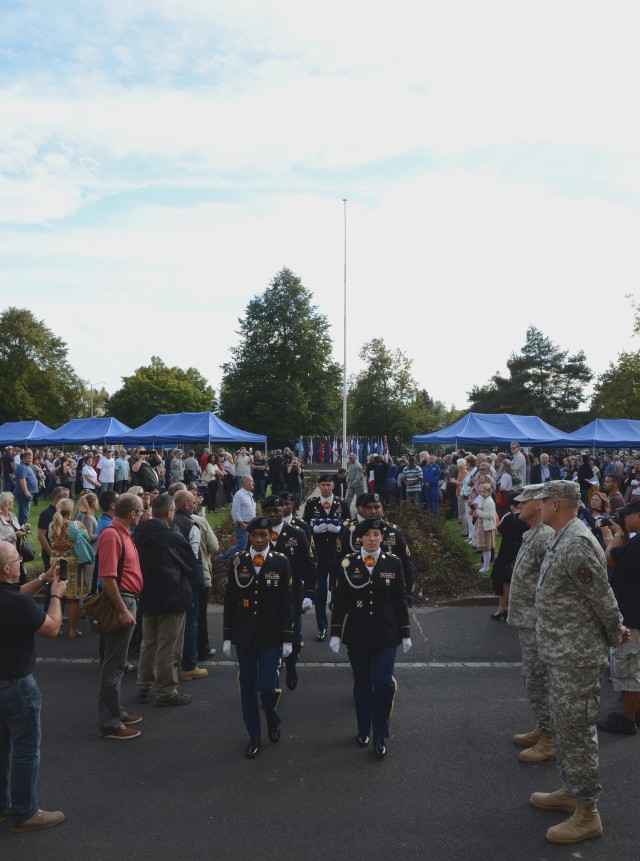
258	675
374	690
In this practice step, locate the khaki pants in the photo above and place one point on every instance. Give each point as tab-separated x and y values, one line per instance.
161	652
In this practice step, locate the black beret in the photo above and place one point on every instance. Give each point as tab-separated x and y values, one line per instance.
273	501
258	523
369	523
286	495
366	498
325	477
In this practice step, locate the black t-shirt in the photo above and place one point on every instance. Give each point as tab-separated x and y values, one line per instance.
626	580
20	617
8	464
146	476
44	521
259	473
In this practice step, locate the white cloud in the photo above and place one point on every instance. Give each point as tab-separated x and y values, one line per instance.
166	159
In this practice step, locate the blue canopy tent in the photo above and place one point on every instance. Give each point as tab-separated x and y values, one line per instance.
487	429
188	427
77	431
21	433
608	433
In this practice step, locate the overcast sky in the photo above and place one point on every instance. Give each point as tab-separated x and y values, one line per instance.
161	160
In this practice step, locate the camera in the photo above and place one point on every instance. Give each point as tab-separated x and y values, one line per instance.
607	521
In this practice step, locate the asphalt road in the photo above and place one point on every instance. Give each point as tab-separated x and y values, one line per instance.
450	788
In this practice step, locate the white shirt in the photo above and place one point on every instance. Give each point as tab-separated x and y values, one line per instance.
243	507
107	467
88	472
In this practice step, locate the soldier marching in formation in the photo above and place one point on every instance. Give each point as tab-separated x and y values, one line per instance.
258	621
371	617
293	543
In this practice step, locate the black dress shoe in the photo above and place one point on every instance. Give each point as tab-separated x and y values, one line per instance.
363	741
252	749
274	732
379	747
321	636
292	678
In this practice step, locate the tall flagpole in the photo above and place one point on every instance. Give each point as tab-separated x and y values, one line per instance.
344	364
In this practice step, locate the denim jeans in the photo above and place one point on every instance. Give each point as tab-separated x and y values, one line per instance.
190	648
24	507
116	647
20	703
242	537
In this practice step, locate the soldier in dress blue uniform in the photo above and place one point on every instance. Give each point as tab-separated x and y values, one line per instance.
258	620
293	543
324	514
371	617
292	519
370	505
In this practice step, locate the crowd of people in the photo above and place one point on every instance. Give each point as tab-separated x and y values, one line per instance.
151	554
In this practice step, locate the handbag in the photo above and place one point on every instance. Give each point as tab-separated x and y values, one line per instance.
84	551
100	611
26	551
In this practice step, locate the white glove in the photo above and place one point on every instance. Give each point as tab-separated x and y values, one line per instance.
334	644
226	647
287	648
307	603
333	527
320	527
406	644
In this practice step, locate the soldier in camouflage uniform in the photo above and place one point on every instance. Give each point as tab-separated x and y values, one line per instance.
577	619
522	614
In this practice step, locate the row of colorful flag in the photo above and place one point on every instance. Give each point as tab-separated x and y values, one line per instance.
329	450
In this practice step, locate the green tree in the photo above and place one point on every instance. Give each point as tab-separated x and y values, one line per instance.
281	380
616	394
156	388
36	379
543	380
384	398
100	402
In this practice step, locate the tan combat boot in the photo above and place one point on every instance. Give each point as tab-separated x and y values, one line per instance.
585	824
561	799
527	739
541	751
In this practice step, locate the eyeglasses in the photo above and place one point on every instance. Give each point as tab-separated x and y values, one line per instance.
138	510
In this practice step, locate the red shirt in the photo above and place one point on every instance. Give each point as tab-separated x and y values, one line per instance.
109	551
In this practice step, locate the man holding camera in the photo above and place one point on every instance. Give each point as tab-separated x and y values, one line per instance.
143	469
623	558
20	699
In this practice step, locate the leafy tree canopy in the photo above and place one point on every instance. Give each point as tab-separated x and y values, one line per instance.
616	393
384	398
543	380
156	388
36	379
281	380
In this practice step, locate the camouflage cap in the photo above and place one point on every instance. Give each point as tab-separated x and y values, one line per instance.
528	492
560	490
